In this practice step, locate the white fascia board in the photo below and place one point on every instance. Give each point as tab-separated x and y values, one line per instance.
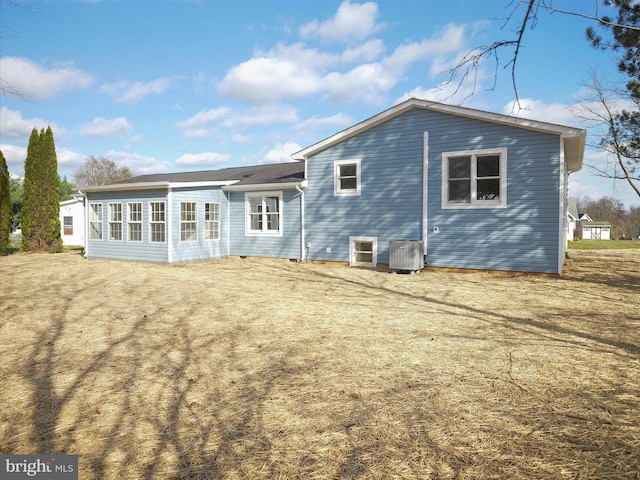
126	186
562	130
265	186
220	183
121	187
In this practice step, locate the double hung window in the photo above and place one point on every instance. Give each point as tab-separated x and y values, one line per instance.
95	221
188	222
157	222
134	222
474	179
211	221
263	213
115	221
346	180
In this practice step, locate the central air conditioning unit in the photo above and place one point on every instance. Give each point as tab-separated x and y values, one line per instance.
406	255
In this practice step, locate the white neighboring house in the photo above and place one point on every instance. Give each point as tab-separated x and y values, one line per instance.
596	230
72	221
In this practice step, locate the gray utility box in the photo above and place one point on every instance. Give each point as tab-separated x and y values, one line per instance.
406	255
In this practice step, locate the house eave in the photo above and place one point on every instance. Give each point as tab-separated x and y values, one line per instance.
265	186
123	187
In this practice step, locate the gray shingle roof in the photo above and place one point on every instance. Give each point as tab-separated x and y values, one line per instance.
251	175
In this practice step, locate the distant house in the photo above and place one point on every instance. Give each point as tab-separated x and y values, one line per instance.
573	227
478	190
72	221
596	230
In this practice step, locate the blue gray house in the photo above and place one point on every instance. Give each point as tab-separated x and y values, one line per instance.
473	189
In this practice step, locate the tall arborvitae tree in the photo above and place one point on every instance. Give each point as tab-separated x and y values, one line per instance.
6	212
41	201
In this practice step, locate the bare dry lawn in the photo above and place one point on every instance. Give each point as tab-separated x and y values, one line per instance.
265	369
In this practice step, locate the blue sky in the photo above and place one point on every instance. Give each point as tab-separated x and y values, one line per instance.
168	85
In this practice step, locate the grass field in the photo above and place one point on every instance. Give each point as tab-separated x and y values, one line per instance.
265	369
604	244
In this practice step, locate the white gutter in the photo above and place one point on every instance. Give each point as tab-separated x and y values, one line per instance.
156	185
264	186
302	245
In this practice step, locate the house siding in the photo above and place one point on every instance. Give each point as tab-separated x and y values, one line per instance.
522	237
125	250
201	249
287	245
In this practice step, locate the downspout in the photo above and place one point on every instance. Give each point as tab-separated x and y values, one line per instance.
169	224
425	191
302	247
228	229
85	226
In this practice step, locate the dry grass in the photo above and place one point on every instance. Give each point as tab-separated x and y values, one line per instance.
264	369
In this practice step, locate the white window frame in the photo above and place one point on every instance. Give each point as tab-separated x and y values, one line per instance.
337	189
153	221
474	203
95	219
188	222
134	221
67	225
115	219
264	231
211	221
353	251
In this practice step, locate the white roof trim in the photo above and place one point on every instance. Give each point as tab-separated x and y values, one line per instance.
265	186
574	148
155	185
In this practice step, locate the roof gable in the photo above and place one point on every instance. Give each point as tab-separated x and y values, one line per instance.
574	138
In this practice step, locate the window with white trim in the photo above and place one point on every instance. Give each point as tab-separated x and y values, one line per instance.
211	221
264	216
474	179
95	221
67	223
134	222
115	221
188	222
157	222
346	177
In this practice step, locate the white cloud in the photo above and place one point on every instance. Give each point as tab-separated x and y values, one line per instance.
203	123
12	125
352	21
14	156
69	160
104	128
269	79
207	123
209	159
262	115
533	109
35	82
281	152
134	92
138	164
360	73
337	121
